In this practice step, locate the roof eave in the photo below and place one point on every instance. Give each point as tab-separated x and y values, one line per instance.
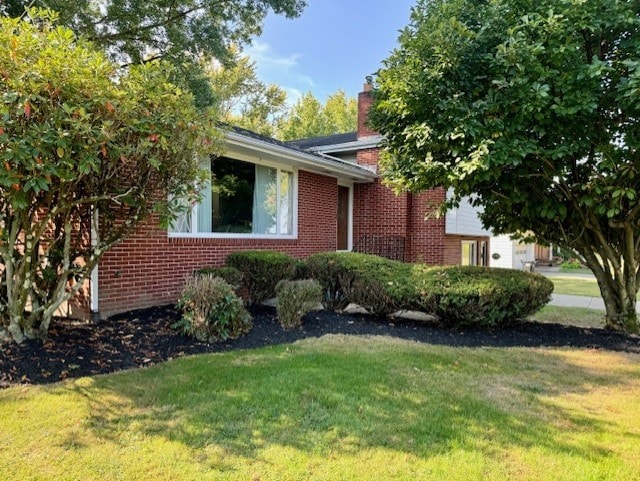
360	144
332	166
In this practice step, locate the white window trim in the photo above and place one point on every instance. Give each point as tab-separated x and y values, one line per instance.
223	235
349	185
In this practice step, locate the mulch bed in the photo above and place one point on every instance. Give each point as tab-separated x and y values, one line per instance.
145	337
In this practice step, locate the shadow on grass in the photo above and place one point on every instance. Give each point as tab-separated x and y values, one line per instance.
342	395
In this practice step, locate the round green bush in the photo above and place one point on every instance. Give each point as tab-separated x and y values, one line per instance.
230	274
211	311
262	270
295	299
470	295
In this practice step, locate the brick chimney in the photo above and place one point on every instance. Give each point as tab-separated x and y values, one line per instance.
365	100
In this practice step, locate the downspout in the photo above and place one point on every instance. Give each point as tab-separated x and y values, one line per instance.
409	255
93	283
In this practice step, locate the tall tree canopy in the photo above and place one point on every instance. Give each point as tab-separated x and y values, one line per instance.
530	106
242	99
85	155
308	117
183	33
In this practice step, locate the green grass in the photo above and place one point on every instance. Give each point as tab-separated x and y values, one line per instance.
336	408
576	285
565	270
573	316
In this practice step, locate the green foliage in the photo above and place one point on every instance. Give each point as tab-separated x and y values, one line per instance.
81	150
139	30
530	107
326	267
211	311
301	270
471	295
245	101
456	295
571	264
262	270
231	275
375	283
309	118
295	299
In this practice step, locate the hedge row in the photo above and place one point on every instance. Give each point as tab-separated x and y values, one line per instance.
456	295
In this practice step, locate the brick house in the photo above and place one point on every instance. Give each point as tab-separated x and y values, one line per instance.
300	198
402	226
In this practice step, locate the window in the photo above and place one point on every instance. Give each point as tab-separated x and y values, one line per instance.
469	253
242	199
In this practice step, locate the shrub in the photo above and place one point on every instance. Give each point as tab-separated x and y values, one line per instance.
262	270
326	268
211	311
231	275
295	299
571	264
472	295
375	283
301	270
457	295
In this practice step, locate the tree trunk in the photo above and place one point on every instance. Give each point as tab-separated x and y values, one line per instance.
616	273
621	309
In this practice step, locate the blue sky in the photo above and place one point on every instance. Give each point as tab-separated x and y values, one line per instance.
334	44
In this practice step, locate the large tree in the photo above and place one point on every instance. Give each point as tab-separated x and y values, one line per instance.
531	107
308	117
86	153
183	33
242	99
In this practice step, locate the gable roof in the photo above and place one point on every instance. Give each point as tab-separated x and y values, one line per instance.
245	140
325	140
344	143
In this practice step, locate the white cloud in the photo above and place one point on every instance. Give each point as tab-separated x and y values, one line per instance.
282	70
264	55
293	95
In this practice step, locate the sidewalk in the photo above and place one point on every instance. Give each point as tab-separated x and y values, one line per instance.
565	300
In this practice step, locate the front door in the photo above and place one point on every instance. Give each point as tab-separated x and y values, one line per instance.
343	218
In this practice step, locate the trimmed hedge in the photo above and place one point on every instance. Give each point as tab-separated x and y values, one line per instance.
325	268
377	284
470	295
262	270
230	274
458	296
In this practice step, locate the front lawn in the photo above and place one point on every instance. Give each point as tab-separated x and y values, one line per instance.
575	285
339	408
570	316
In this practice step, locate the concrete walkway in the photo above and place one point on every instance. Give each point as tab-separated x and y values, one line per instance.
566	300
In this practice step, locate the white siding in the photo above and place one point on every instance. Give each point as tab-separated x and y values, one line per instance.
513	255
523	253
465	221
501	245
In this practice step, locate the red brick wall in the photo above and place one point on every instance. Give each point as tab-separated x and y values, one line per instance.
149	268
427	230
365	99
377	211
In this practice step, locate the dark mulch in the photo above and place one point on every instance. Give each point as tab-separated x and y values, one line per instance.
145	337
